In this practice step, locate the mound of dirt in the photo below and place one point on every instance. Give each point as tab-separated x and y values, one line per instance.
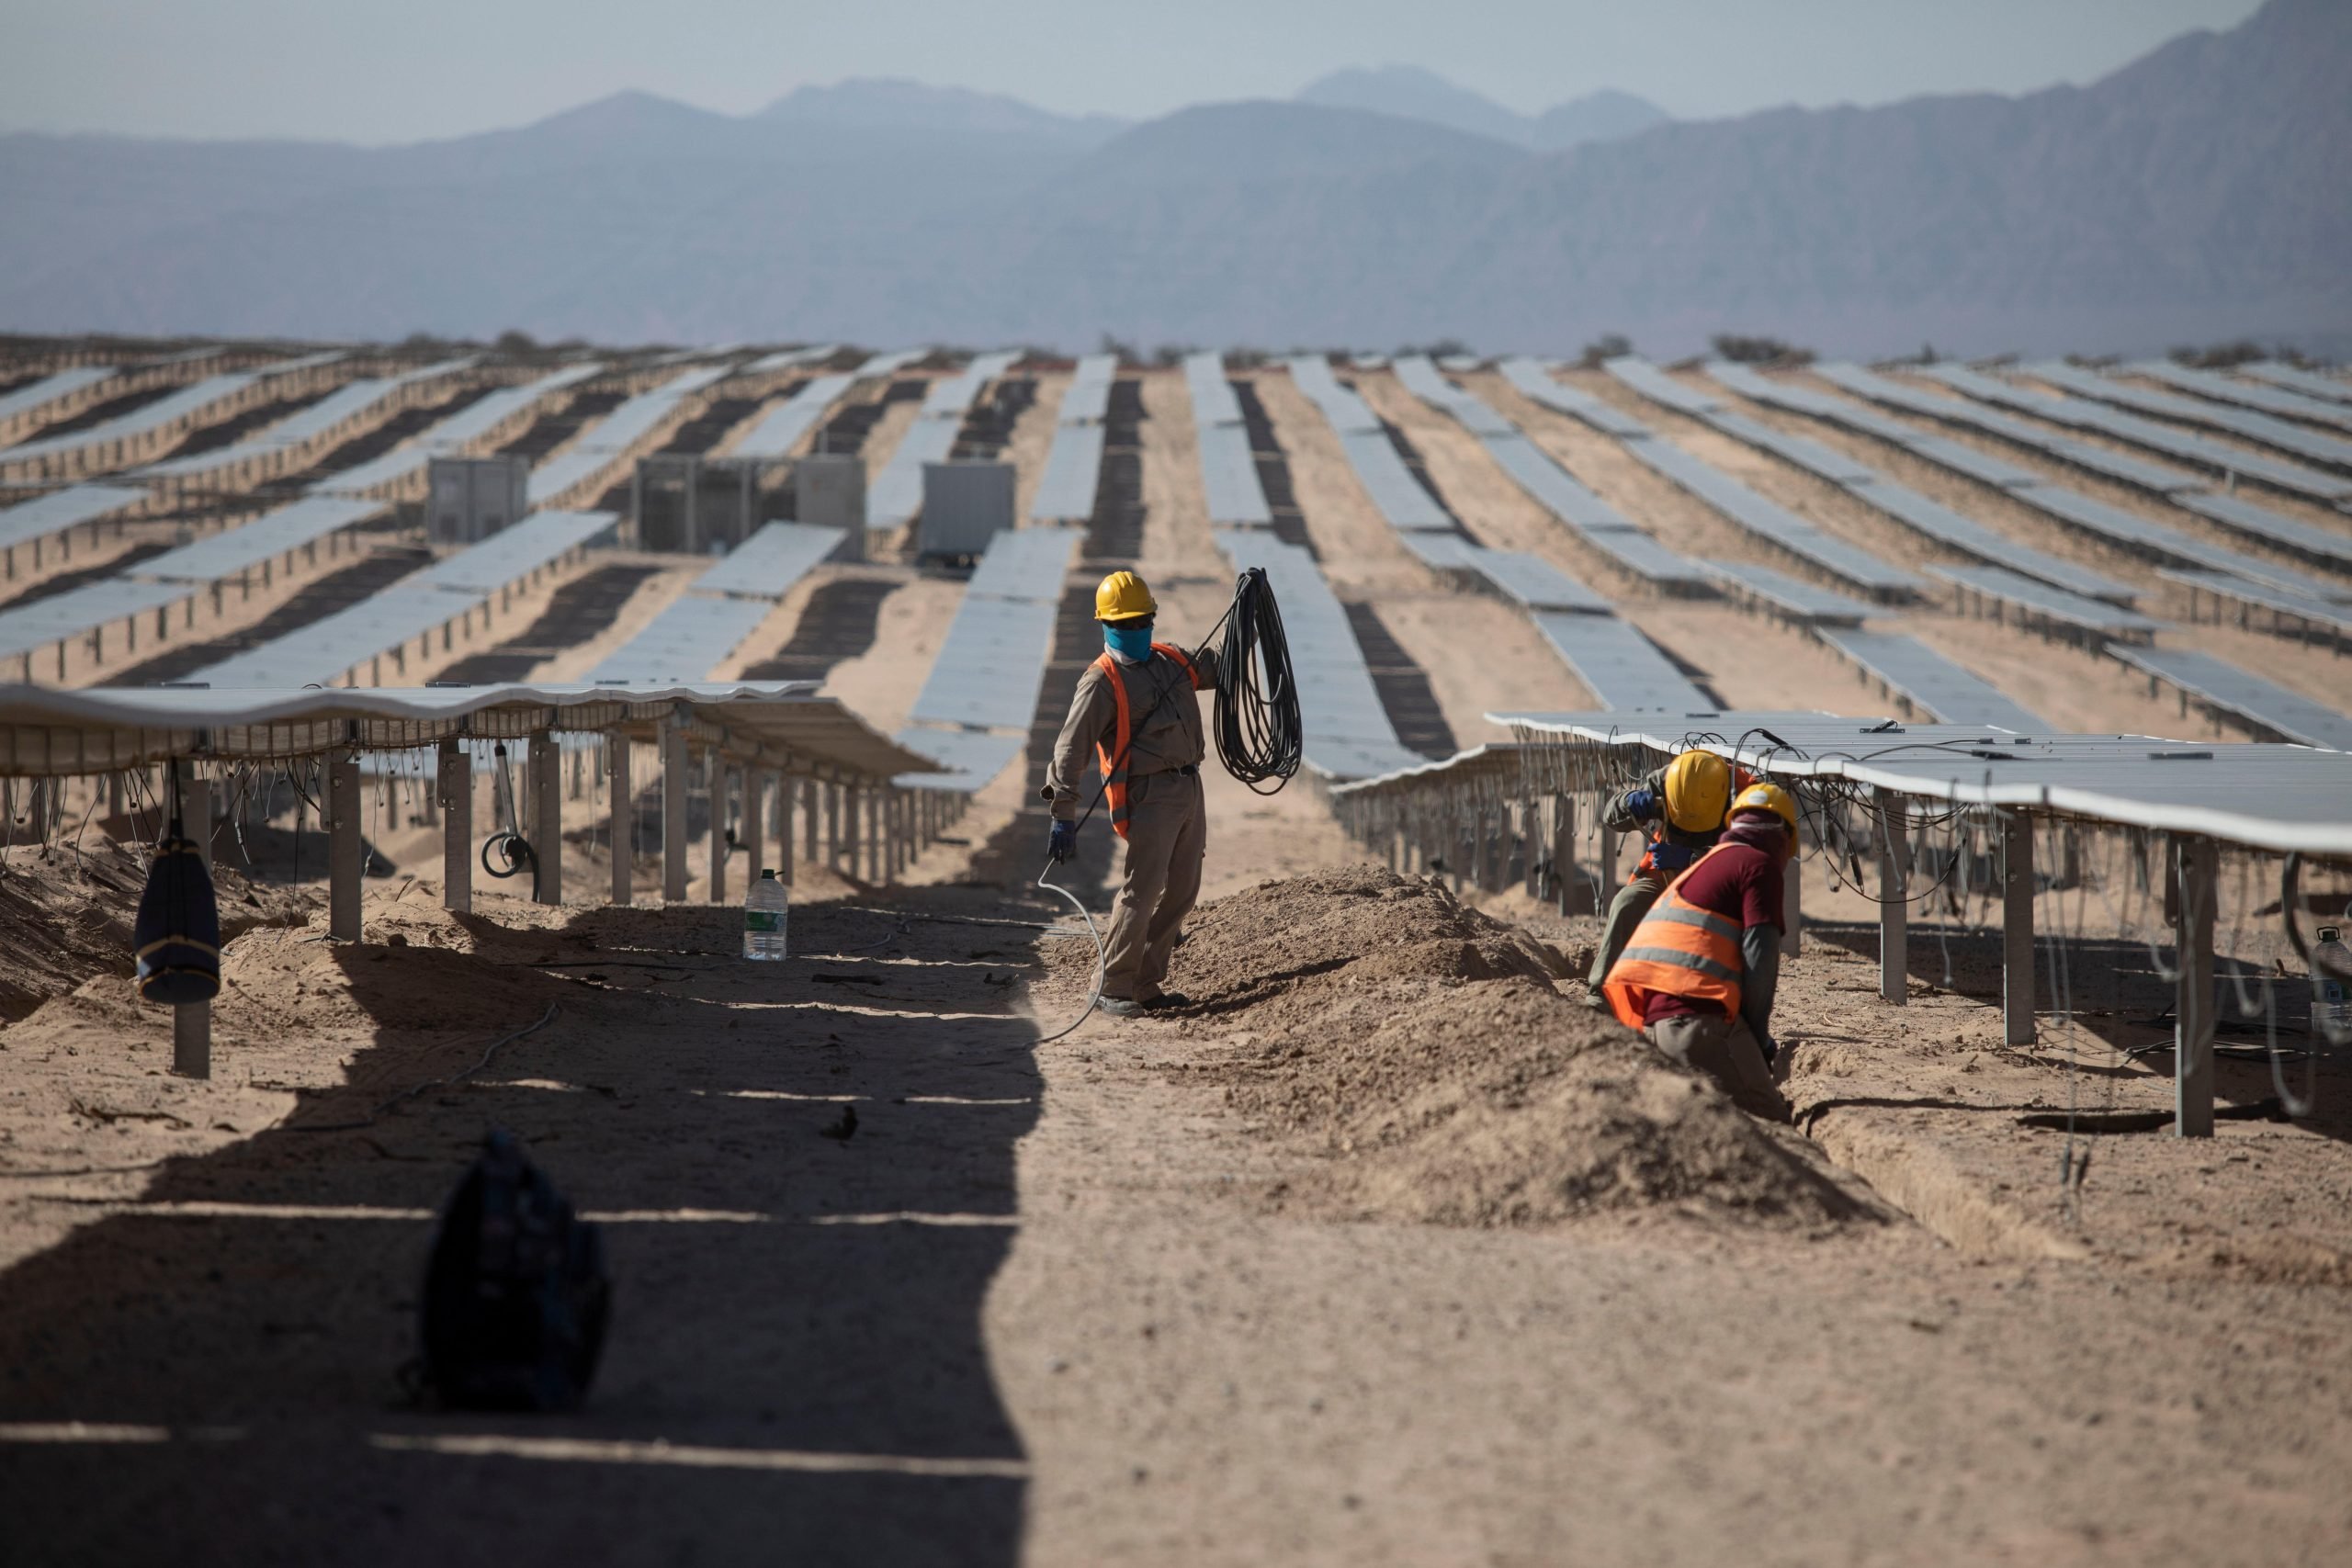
1424	1050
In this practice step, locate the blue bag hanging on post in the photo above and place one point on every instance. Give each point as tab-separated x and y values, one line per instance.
177	938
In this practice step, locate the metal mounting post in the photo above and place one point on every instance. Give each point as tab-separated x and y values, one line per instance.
1893	913
454	785
755	824
621	815
346	854
547	819
673	814
2195	867
2016	929
718	771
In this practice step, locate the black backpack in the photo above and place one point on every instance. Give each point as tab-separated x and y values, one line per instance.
176	938
515	1295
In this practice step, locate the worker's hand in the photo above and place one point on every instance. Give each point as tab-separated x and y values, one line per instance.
1641	804
1063	843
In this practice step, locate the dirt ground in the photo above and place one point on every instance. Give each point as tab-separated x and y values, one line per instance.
1386	1250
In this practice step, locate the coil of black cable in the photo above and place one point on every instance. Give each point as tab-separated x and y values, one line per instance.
1259	733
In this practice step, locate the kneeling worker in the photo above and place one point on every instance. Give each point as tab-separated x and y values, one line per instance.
1697	979
1137	706
1681	808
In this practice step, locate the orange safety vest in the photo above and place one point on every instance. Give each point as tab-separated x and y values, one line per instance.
1678	950
1115	774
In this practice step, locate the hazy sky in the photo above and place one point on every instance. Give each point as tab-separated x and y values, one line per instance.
402	70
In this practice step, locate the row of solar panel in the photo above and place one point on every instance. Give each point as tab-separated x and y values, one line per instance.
1229	466
991	663
2297	441
897	495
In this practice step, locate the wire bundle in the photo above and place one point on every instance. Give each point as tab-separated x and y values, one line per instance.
1259	735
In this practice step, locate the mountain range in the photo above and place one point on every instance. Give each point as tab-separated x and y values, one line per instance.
2197	193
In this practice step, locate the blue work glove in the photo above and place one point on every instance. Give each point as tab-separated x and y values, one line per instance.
1641	804
1063	844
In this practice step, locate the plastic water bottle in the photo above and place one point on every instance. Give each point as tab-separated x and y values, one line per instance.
764	913
2331	992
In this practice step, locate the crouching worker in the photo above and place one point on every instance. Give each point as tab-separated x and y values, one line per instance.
1679	810
1139	709
1698	975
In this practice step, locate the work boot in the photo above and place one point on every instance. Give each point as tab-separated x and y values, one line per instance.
1165	1001
1120	1007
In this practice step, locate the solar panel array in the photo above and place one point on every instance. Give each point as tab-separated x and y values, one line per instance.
454	436
1228	468
24	400
283	445
2051	604
2285	400
972	757
781	428
1535	382
236	550
1792	597
1848	562
1342	410
1626	671
2264	428
61	618
2334	614
1528	581
1660	388
605	445
1423	380
991	664
897	495
2311	383
417	604
1933	683
2167	441
696	632
140	420
1398	497
61	509
1073	475
2241	691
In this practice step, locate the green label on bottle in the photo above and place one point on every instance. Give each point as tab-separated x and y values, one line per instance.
763	921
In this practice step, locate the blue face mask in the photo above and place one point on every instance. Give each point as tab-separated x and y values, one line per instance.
1129	642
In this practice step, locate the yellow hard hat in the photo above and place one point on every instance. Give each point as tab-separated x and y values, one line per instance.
1769	797
1697	786
1123	597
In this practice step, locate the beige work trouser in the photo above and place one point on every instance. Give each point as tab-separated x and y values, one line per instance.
1726	1050
1167	833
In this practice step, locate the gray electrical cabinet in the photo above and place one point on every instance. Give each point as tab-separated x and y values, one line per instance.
469	498
694	505
964	504
829	490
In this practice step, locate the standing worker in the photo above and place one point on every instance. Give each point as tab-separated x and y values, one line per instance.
1699	976
1682	806
1138	707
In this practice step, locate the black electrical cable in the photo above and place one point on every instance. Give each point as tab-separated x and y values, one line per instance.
1260	734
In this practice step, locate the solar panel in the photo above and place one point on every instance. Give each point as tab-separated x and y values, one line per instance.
1826	462
1624	669
1798	599
49	389
515	551
1636	552
1534	583
973	757
1346	412
1966	460
1213	399
1421	378
172	406
235	550
389	619
1441	552
61	510
2245	423
2279	400
2335	616
1761	517
1553	488
1398	495
990	664
1229	478
1073	476
2242	516
1971	537
1535	382
950	396
781	428
766	565
1660	388
2223	684
566	474
1087	399
79	610
636	420
1026	563
791	358
479	418
1933	683
2327	388
692	636
897	495
2051	602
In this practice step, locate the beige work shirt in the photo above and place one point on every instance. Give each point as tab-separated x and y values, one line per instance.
1168	732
